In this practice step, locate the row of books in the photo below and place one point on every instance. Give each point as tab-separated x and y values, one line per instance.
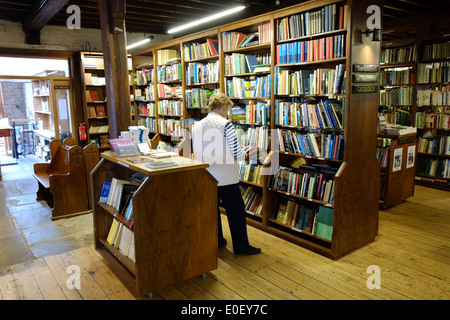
321	145
317	221
433	167
189	125
326	19
118	194
143	77
149	94
194	51
395	76
166	56
148	122
147	109
382	156
122	238
438	72
170	127
253	137
250	87
254	112
238	63
309	82
326	48
96	112
170	107
234	40
437	97
251	172
326	114
166	91
99	129
92	79
396	96
101	141
397	55
253	200
316	186
396	115
435	51
202	72
198	97
436	145
92	96
168	73
432	120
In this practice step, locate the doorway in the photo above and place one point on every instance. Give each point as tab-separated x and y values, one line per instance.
35	107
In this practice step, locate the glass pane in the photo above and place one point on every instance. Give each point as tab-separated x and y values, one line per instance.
63	110
34	67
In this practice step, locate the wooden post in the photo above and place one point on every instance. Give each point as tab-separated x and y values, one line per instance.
116	65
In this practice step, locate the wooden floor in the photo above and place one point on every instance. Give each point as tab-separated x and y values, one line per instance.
412	252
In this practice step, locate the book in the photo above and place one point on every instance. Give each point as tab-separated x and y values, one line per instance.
324	227
160	155
105	192
101	111
112	231
124	147
156	164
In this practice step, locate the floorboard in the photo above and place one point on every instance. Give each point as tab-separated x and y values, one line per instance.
412	251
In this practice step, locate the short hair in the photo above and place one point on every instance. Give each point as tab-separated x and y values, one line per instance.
219	100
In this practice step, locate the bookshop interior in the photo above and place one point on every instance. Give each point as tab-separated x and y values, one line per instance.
342	109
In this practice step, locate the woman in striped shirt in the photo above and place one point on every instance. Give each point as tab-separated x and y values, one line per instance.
215	141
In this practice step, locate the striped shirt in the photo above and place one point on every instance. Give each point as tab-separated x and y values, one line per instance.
233	143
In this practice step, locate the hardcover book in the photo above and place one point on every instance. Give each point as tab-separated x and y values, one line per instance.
124	147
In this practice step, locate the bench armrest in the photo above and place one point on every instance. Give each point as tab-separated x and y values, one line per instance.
40	167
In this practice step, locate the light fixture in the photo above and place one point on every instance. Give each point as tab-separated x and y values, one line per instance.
375	34
207	19
139	43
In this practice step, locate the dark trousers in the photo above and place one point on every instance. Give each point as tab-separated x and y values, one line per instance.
234	206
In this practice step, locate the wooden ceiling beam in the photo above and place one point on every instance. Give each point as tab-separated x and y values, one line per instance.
42	13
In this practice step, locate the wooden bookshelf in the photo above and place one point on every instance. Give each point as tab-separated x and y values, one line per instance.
175	238
94	98
355	205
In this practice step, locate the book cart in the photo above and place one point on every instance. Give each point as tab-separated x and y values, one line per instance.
398	167
175	238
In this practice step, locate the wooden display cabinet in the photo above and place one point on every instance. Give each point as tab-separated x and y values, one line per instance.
397	176
175	225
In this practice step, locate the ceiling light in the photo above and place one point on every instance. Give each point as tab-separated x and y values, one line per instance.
209	18
139	43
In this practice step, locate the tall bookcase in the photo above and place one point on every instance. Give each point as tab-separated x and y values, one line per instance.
175	238
433	114
415	79
335	53
94	99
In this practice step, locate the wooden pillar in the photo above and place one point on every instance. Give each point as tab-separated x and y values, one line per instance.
112	19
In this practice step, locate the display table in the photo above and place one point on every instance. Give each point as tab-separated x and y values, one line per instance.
174	222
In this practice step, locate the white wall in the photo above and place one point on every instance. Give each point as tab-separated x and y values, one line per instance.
62	38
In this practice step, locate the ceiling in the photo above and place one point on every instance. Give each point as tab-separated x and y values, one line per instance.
402	19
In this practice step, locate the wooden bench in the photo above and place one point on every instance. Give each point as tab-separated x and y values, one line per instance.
63	182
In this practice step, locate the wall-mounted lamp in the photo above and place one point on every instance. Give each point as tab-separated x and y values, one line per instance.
141	42
375	34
